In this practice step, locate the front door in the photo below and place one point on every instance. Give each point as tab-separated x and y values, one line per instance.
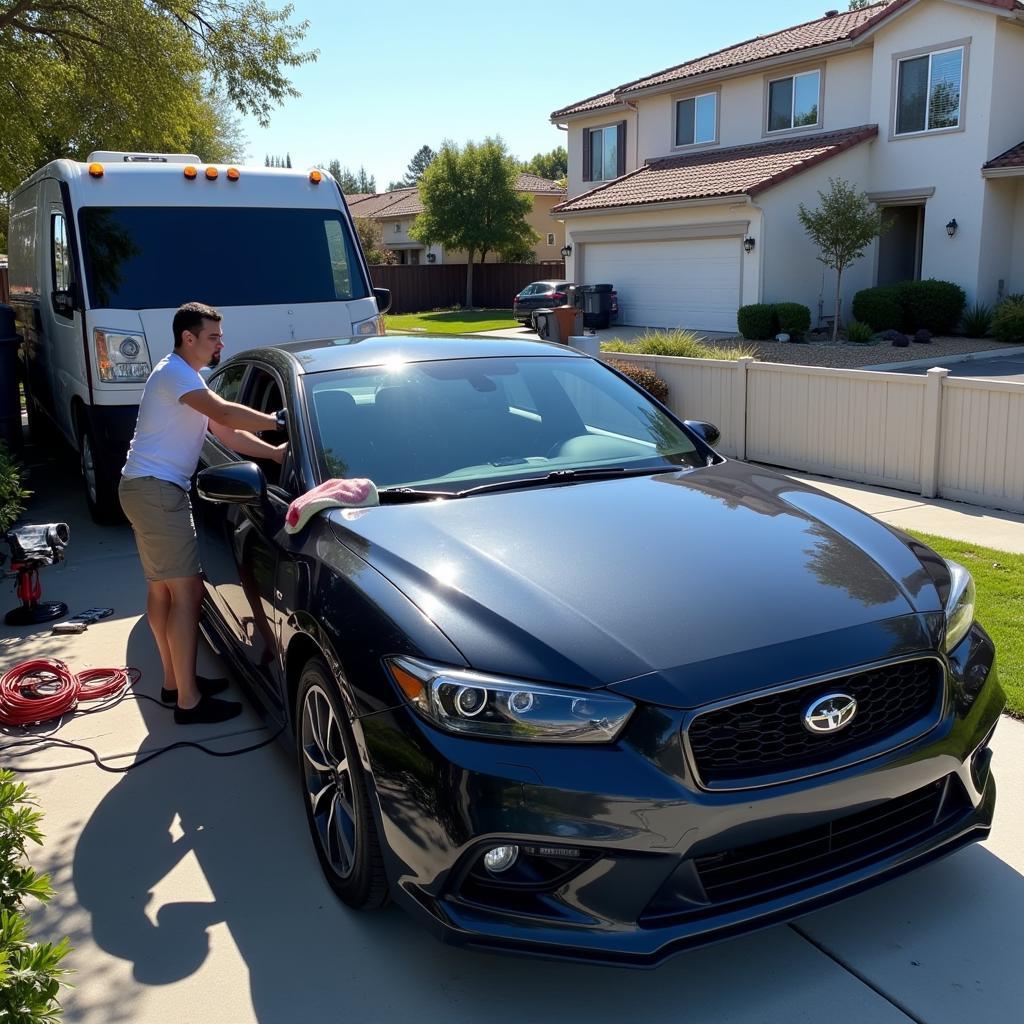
899	248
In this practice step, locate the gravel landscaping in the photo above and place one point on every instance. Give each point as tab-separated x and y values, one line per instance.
849	355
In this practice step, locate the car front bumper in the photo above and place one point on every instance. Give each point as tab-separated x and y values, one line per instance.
625	860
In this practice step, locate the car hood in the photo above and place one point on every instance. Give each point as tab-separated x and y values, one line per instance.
679	587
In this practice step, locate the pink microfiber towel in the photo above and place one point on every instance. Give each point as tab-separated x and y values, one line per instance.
356	493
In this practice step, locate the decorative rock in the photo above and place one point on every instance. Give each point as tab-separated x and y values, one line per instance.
923	337
782	337
900	340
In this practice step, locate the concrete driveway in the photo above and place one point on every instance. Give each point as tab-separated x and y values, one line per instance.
191	892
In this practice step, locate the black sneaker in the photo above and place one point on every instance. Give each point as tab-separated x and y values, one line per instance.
208	710
207	688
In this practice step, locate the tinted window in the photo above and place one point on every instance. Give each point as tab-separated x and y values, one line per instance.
60	269
450	425
160	257
226	384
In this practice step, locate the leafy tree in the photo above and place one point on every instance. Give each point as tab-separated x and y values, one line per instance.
365	182
842	228
553	165
350	183
417	165
470	202
371	238
859	5
138	75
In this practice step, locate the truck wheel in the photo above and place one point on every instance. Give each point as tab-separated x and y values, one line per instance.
101	480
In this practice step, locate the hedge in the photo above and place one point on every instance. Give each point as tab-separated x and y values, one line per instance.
1008	322
936	306
761	321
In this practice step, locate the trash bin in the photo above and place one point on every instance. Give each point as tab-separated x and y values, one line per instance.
597	305
10	407
570	322
546	325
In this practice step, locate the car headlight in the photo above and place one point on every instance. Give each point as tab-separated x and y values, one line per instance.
959	604
493	707
121	357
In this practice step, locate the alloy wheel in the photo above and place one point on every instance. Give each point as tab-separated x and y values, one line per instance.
329	782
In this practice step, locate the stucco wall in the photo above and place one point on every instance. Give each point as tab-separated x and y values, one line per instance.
792	272
1006	128
542	222
1015	281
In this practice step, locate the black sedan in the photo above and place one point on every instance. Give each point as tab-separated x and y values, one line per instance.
539	295
579	686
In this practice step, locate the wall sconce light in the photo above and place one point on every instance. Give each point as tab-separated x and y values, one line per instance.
951	227
431	257
566	250
748	244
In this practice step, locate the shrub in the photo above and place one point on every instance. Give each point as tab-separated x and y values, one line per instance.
647	379
758	321
676	343
793	318
977	320
860	333
12	495
30	972
1008	321
878	307
934	305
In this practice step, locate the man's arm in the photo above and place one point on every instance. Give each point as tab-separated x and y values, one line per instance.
228	414
245	443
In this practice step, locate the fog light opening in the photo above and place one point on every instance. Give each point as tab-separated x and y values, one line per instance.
500	858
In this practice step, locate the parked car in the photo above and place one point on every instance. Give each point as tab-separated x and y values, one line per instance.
546	295
580	686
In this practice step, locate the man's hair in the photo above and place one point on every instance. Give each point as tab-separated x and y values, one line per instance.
190	317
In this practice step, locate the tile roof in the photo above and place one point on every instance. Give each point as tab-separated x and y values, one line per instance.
738	170
1011	158
847	25
351	198
405	202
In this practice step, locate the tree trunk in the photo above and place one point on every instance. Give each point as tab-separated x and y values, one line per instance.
835	321
469	279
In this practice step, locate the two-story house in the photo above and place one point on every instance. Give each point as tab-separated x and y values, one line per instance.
684	186
396	211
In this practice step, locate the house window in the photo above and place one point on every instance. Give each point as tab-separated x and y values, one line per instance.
604	156
928	91
696	119
551	238
398	228
793	102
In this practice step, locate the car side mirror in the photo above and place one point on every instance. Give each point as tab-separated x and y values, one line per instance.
707	432
63	302
240	483
383	297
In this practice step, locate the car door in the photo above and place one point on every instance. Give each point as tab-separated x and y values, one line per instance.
239	544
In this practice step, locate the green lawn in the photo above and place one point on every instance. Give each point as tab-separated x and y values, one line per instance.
999	578
462	321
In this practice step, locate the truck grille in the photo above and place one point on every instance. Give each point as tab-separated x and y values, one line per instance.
765	736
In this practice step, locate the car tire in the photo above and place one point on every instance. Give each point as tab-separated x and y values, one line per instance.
335	792
100	479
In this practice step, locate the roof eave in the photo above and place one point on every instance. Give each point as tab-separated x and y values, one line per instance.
1003	172
611	108
668	204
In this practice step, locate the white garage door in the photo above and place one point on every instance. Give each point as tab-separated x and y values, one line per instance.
693	283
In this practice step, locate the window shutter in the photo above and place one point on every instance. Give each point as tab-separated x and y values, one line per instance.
620	147
586	155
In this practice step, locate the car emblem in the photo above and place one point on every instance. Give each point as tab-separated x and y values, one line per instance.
830	713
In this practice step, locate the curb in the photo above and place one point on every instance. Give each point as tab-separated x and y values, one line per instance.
960	357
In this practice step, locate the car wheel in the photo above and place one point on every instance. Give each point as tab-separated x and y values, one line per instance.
100	482
336	796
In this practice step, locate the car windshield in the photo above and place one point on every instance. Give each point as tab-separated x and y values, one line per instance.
452	425
267	256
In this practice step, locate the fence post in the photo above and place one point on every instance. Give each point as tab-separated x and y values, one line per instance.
739	396
931	431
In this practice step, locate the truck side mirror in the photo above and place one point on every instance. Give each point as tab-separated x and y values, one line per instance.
383	297
63	301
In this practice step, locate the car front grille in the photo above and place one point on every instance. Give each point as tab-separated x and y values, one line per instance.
765	736
803	858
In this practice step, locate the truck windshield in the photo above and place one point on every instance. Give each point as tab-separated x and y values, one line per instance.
156	257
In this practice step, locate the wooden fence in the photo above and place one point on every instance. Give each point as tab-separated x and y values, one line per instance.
5	293
936	435
438	286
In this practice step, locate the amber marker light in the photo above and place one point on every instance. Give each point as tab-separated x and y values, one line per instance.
211	173
233	174
316	177
190	172
410	685
95	170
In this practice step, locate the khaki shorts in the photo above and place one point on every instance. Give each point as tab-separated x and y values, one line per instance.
165	534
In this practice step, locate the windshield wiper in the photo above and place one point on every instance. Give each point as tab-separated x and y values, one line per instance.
564	476
402	495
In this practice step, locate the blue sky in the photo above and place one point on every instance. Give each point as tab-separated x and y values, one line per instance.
393	76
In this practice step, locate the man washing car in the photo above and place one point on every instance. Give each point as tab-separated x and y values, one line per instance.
176	411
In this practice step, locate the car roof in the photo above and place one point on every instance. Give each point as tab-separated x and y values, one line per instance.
344	353
551	281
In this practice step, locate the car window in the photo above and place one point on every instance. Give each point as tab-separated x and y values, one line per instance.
263	393
456	423
228	382
530	289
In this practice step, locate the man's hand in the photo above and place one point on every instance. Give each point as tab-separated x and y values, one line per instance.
280	451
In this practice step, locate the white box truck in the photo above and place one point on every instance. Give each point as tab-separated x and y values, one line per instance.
103	252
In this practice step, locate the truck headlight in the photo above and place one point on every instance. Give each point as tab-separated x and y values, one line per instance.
367	328
959	604
494	707
121	358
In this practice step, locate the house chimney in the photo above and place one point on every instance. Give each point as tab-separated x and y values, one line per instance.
831	14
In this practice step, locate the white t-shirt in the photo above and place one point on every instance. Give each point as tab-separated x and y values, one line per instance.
169	434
